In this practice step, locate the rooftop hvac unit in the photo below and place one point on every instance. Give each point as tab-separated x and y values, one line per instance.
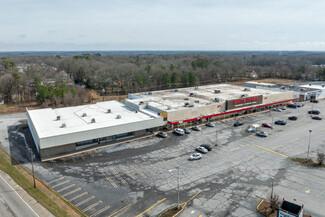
63	125
141	103
309	84
323	85
192	94
197	101
196	87
186	98
84	115
217	91
174	90
109	111
243	96
118	117
217	99
149	93
58	117
169	108
93	120
188	104
247	89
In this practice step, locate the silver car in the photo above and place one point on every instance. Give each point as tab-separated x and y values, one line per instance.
196	128
201	149
262	134
209	124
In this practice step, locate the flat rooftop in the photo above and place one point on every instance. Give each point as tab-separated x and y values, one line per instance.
174	99
314	86
260	83
79	118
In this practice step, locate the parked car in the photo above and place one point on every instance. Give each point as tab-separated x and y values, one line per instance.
195	156
262	134
314	101
179	131
201	149
162	134
238	123
314	112
209	124
293	118
280	122
283	108
277	110
196	128
251	129
267	125
316	118
292	105
187	131
206	146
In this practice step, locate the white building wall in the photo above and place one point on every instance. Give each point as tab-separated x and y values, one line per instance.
33	131
53	141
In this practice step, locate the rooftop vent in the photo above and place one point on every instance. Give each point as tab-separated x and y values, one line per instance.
136	111
118	117
141	103
197	101
93	120
323	85
243	95
309	84
217	91
84	115
63	125
192	94
247	89
217	99
169	108
109	111
58	117
188	104
186	98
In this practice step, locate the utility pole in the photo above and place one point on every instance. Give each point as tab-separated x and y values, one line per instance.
31	157
310	131
178	180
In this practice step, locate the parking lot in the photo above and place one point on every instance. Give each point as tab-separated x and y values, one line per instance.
140	176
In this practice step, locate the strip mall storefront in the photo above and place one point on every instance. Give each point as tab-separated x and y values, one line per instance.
235	107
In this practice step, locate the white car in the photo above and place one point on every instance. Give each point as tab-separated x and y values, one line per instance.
195	156
179	131
196	128
201	149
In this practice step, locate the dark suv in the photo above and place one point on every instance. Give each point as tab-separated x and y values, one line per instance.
314	101
314	112
293	118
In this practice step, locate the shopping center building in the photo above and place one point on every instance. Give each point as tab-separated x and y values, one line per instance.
194	105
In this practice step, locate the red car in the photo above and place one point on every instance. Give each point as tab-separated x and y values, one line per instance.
267	125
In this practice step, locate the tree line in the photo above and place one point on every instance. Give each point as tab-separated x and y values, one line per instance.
55	80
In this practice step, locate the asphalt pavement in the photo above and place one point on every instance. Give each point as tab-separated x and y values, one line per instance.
140	177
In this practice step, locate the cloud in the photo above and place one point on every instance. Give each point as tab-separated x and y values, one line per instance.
22	36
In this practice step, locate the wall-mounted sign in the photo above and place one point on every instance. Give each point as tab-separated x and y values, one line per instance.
242	102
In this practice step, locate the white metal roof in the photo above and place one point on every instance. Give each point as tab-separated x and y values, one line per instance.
47	125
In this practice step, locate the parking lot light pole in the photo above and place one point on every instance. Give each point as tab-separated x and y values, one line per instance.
310	131
178	181
31	157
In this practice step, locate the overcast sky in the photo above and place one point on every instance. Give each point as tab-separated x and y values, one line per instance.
43	25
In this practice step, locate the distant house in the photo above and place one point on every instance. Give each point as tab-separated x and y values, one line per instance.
288	209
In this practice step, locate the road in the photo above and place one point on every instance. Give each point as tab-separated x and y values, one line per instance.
11	204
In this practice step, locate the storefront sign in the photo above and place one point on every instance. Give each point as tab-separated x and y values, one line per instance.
248	101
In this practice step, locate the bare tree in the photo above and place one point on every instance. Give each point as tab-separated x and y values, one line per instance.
7	83
320	158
